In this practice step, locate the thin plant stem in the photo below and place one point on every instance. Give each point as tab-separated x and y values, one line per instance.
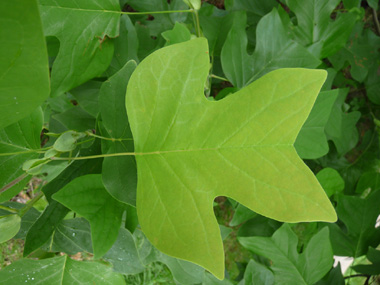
105	138
94	156
219	77
197	23
31	203
8	209
155	12
14	182
376	19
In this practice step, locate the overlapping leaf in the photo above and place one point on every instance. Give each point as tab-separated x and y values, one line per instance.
274	50
288	266
59	270
119	173
18	143
361	232
87	196
84	29
246	140
316	30
311	142
24	73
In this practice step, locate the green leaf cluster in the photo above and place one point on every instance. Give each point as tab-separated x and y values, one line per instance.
183	142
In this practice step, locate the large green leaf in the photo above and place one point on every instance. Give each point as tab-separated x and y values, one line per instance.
83	28
311	142
24	69
87	196
119	172
18	143
246	140
274	50
59	270
316	30
288	266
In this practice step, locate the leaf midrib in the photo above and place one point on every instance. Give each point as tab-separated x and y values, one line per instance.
157	152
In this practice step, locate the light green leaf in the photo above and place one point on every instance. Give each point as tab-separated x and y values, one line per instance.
85	46
194	4
18	143
67	141
9	227
178	139
256	273
119	173
341	126
24	69
311	142
316	30
331	181
59	270
288	266
177	35
87	196
274	50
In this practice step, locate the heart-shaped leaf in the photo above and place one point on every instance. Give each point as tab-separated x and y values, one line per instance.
190	150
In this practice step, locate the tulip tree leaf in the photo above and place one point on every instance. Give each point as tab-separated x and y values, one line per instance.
24	69
179	138
59	270
87	196
288	266
316	30
274	50
361	232
20	140
85	48
341	126
118	173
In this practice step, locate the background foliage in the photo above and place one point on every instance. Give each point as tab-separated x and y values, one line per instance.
92	48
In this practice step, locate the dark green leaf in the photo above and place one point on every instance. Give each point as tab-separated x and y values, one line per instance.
341	126
24	73
290	267
256	273
311	142
18	143
87	196
59	270
85	46
316	30
274	50
119	173
359	215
